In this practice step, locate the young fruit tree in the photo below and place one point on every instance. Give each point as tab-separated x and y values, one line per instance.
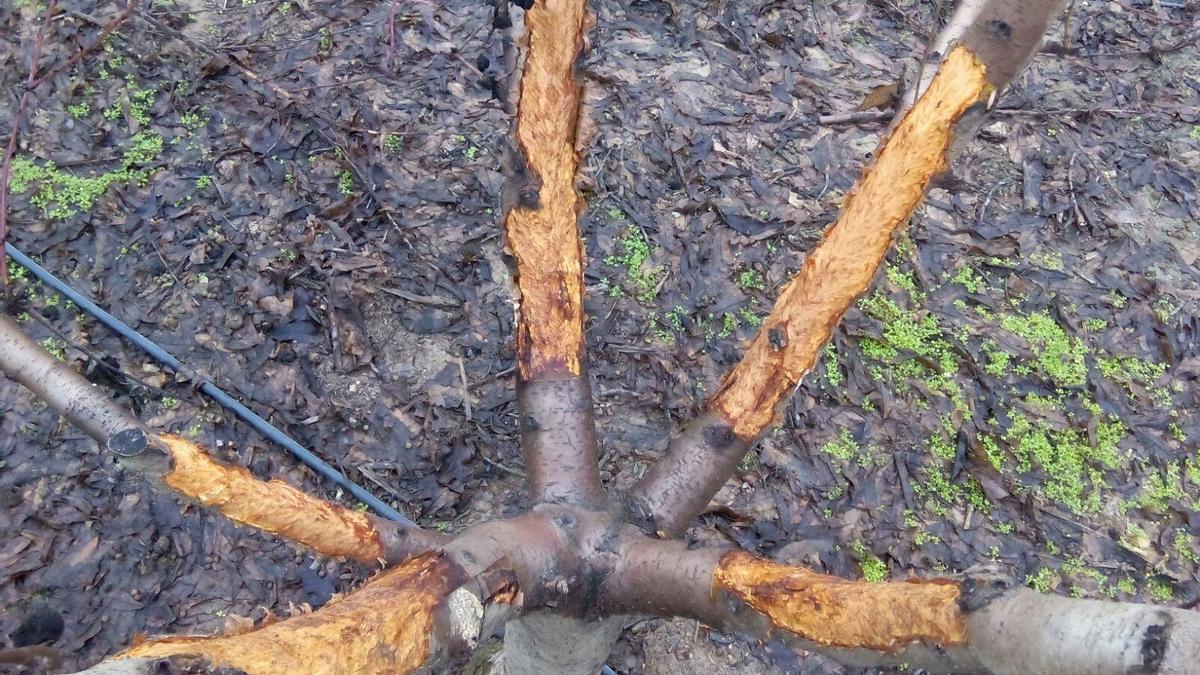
562	580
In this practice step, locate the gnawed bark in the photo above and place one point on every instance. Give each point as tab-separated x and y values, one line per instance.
976	624
834	274
184	467
403	620
842	267
984	47
541	224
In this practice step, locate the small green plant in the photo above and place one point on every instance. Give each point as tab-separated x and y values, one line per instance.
203	182
1183	546
61	195
833	371
80	110
968	279
346	182
324	39
1044	580
1160	591
874	570
634	258
393	143
170	402
843	447
750	317
56	347
1160	488
751	280
1094	325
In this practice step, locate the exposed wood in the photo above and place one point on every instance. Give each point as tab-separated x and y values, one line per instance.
400	621
543	236
973	623
842	267
839	613
272	506
558	435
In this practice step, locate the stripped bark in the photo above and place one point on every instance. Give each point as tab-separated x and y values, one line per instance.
557	432
985	56
403	620
976	623
184	467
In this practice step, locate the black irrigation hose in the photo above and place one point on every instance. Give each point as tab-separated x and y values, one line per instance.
211	390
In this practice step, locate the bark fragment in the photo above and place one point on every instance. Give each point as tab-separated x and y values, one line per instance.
840	613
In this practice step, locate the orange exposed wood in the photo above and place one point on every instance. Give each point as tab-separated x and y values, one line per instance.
543	235
840	613
384	627
842	266
273	506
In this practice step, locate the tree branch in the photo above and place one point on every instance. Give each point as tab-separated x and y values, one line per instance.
842	267
181	465
403	620
974	624
558	434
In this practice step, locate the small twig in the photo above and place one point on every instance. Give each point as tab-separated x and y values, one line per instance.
466	389
854	117
392	36
498	465
104	33
432	300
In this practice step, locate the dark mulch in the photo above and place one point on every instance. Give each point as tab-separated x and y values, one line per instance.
337	264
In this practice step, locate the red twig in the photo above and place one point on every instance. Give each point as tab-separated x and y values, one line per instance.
392	36
17	118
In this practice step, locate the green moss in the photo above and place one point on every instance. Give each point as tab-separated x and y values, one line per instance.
346	183
910	334
1094	325
1183	546
634	258
1066	458
904	280
968	279
1059	356
750	317
80	110
873	569
1005	527
998	361
1130	370
61	195
1127	586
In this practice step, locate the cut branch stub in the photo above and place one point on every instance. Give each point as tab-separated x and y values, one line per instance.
842	267
542	230
400	621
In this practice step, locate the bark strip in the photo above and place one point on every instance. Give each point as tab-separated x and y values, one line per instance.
399	622
558	434
977	624
542	230
271	506
842	267
837	271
